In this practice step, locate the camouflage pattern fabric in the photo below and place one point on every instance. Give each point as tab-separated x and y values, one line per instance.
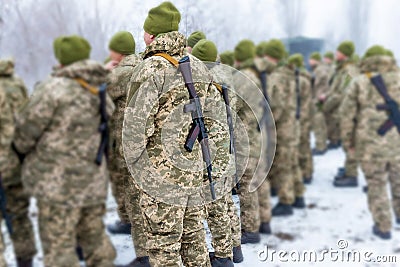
63	228
219	221
6	133
379	155
171	179
17	200
305	154
249	206
118	80
285	169
345	71
132	204
236	231
58	130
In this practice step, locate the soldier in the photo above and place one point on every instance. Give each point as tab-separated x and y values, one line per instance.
321	76
264	67
6	135
121	46
304	114
329	58
193	39
249	203
58	131
154	134
218	216
17	199
227	58
377	137
285	170
345	71
127	194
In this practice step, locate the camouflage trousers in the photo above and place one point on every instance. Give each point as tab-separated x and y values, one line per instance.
305	154
287	174
133	209
175	234
320	130
378	174
118	179
351	164
249	205
62	229
333	127
219	223
236	231
18	209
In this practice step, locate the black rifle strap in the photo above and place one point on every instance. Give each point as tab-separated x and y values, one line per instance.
298	98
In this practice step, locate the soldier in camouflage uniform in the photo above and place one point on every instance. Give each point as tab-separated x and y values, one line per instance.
264	64
378	154
285	170
58	131
6	135
122	54
321	76
249	204
345	71
221	213
17	199
154	133
306	108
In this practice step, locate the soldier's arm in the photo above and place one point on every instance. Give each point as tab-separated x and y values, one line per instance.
34	118
276	102
142	106
6	129
348	111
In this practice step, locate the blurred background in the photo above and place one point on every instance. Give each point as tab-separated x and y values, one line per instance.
27	27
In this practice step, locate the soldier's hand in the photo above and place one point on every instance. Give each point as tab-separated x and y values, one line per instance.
322	98
111	64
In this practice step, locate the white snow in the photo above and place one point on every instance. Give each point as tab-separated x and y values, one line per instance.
332	214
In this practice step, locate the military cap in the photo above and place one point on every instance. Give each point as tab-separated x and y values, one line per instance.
205	50
122	42
245	50
260	48
195	37
376	50
316	56
69	49
347	48
329	55
275	49
162	18
389	53
227	57
296	60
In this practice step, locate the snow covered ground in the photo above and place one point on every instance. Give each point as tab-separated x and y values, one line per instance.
336	221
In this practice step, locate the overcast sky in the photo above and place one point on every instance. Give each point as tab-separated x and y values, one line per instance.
28	26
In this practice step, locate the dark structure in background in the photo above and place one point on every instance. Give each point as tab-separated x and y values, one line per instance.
304	46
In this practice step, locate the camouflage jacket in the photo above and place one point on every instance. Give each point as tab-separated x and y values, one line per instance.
248	108
118	81
155	126
282	93
345	71
305	100
16	96
58	132
264	64
322	75
6	130
360	102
